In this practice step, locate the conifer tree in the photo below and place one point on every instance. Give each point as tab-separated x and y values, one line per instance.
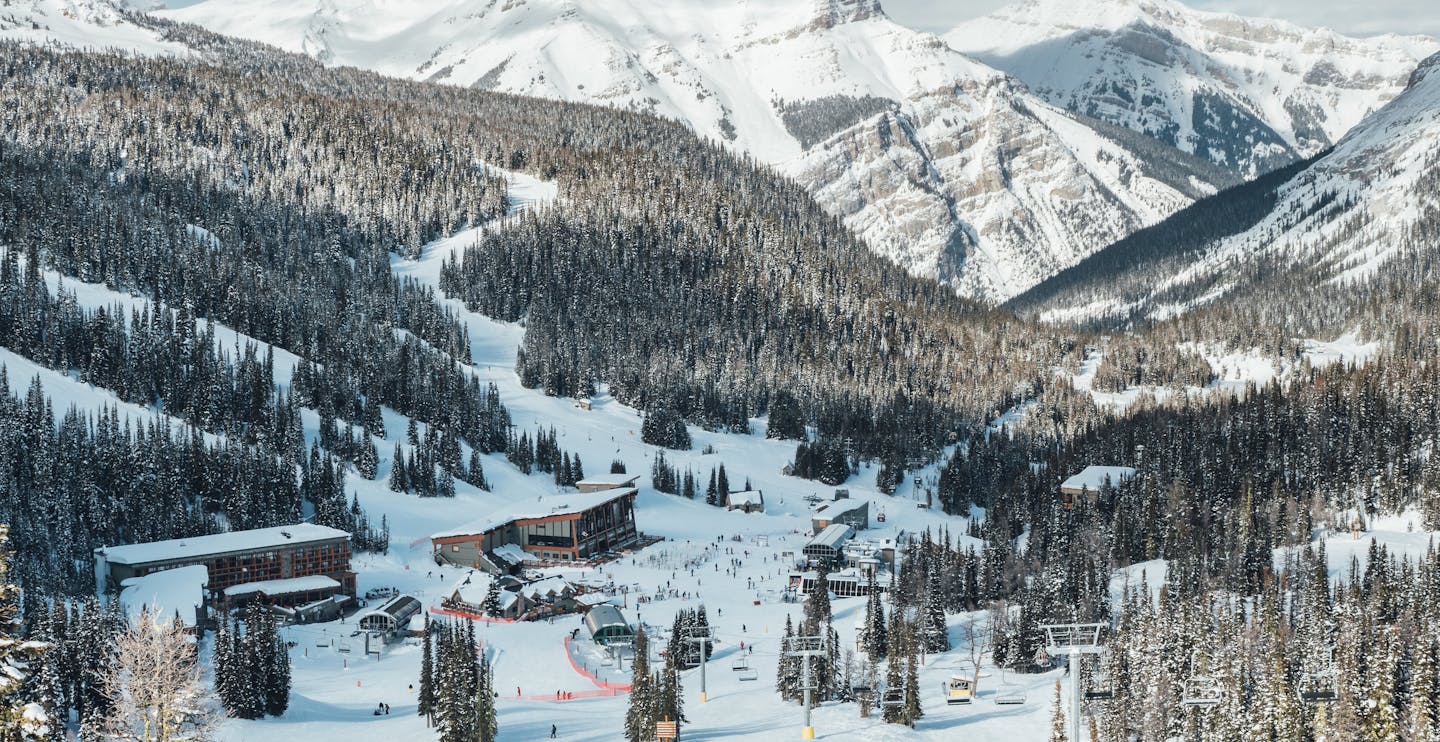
425	699
17	659
640	714
1057	718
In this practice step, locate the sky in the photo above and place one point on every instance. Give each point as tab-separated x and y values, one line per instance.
1355	17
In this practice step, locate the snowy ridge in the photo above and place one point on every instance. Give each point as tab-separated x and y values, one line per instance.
83	24
964	176
1248	94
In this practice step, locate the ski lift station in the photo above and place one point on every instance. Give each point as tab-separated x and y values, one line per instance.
392	617
607	625
827	546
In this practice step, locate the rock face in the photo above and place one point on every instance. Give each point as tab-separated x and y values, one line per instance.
1367	210
1246	94
944	164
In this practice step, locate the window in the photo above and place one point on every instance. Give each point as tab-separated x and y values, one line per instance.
455	548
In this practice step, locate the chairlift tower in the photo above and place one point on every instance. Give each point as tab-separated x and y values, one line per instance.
806	647
701	636
1075	640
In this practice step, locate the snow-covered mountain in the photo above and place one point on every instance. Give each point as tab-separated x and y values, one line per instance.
1340	220
82	24
946	165
1246	93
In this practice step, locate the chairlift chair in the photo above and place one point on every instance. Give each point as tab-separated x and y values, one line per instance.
344	646
1009	694
1318	687
1202	691
748	675
742	663
893	697
1099	688
959	691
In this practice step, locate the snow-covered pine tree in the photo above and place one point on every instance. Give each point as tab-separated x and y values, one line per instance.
425	697
277	668
873	635
936	636
640	713
18	657
486	721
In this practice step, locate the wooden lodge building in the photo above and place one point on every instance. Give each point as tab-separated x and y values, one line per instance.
556	528
302	562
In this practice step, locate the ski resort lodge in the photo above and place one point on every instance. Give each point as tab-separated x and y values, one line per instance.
602	482
563	528
828	544
287	565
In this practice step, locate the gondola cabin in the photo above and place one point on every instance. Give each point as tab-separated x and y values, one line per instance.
959	691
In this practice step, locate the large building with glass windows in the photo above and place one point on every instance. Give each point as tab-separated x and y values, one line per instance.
268	561
555	528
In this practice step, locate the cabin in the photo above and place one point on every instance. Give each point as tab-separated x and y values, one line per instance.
607	625
1091	481
392	618
554	528
853	513
827	545
468	596
749	501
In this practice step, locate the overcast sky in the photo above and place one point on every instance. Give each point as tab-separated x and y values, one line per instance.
1356	17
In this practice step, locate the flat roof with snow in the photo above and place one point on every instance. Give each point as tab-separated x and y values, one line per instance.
1093	478
284	587
608	480
204	547
167	593
543	507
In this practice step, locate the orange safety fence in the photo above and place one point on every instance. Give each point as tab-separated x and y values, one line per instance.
570	695
604	684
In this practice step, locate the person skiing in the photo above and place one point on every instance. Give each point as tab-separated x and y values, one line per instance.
553	731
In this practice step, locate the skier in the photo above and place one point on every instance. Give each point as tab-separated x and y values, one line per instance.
553	730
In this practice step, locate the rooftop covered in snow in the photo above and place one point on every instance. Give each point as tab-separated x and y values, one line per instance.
1095	478
546	506
283	587
204	547
167	594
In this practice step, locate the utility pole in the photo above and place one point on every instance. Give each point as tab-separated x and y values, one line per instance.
806	647
700	635
1073	639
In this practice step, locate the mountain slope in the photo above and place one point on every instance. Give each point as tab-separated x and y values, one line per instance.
941	163
1247	94
1365	214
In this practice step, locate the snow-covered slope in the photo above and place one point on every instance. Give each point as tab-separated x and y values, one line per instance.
946	165
85	24
1339	220
1248	94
